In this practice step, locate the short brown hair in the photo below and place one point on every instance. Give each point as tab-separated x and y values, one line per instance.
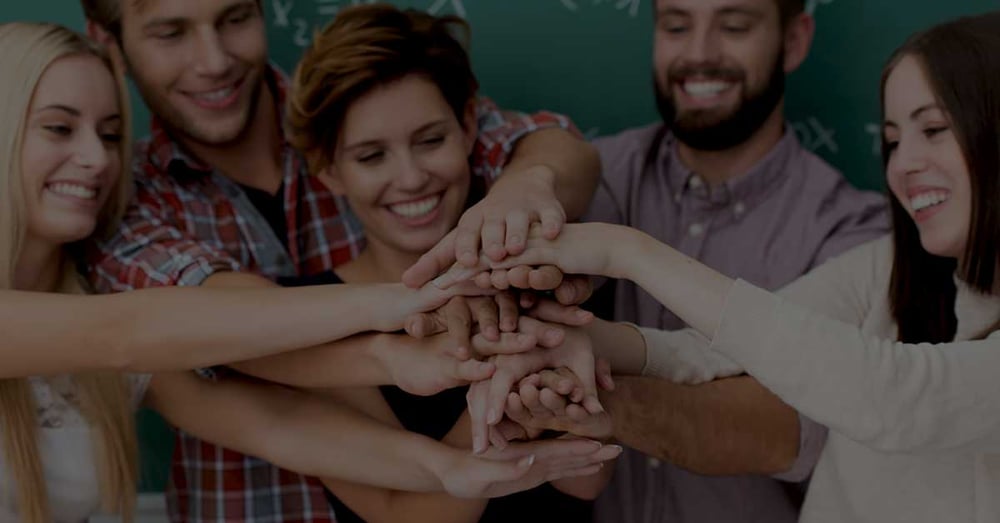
105	13
364	47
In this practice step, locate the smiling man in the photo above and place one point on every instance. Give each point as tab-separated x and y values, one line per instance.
723	179
222	199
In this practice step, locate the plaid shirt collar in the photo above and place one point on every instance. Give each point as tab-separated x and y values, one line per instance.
167	154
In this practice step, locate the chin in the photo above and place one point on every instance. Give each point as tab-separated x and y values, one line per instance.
945	248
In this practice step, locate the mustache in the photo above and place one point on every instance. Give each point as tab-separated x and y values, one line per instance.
681	72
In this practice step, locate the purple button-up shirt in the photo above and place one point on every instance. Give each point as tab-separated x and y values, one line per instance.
789	213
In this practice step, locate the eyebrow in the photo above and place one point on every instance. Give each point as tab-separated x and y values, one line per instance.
59	107
177	20
741	10
421	129
914	114
72	111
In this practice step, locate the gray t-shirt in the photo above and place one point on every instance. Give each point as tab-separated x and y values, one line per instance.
788	214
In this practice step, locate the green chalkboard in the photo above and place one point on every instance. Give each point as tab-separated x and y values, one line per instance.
590	59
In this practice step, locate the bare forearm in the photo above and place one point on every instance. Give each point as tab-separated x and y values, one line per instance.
350	362
574	164
170	328
299	431
725	427
691	290
376	505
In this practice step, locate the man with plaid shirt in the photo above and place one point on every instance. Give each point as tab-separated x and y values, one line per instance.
222	200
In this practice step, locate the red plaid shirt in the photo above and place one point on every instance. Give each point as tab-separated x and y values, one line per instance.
186	222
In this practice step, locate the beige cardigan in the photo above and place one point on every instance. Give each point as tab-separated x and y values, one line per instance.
914	429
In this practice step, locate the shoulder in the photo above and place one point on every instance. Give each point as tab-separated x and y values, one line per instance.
627	144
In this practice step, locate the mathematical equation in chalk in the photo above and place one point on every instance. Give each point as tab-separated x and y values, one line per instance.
301	18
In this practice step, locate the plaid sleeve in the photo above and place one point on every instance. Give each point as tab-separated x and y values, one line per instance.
499	132
150	249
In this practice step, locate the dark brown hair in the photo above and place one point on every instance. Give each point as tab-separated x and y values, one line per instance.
364	47
961	60
789	9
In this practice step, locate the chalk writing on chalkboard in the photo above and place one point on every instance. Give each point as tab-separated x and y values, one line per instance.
812	5
875	130
301	25
456	6
629	6
815	136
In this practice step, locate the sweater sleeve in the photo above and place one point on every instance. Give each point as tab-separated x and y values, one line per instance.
890	396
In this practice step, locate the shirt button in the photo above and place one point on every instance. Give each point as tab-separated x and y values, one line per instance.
695	182
739	208
654	463
696	230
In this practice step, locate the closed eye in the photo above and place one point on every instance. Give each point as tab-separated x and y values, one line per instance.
371	157
60	130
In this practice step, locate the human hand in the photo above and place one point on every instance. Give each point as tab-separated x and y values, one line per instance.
499	223
549	401
492	315
487	399
522	466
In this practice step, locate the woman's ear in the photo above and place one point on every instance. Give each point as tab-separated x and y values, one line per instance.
471	125
330	177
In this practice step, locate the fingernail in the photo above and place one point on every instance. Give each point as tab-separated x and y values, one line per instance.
516	240
527	462
477	445
617	448
493	417
583	315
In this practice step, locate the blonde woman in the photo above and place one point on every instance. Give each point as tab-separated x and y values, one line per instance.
68	436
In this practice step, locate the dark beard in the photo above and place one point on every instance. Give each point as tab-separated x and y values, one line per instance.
737	128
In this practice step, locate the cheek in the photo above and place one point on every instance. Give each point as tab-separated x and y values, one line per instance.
249	44
452	167
38	161
662	58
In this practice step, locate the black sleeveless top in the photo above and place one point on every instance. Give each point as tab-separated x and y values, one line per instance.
434	416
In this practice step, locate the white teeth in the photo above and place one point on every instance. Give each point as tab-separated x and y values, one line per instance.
74	190
927	199
418	208
705	89
215	96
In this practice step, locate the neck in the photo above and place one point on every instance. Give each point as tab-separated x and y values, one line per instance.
254	158
718	167
378	263
38	267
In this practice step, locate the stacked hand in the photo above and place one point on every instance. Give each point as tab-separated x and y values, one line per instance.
530	366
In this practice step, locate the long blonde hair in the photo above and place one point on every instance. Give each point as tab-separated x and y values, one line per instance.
27	50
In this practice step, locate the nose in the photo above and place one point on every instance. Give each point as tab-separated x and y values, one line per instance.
908	158
412	175
702	46
92	152
212	58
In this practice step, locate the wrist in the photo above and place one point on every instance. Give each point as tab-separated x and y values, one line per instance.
527	180
388	305
439	460
382	351
631	247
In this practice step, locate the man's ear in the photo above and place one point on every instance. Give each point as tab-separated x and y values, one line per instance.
798	40
471	125
329	177
102	36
